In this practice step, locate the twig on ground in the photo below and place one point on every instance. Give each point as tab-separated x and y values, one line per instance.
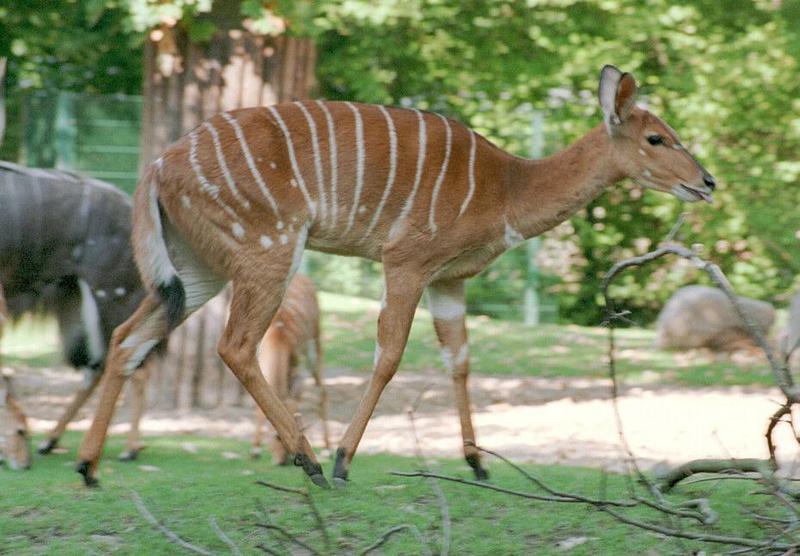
151	519
288	536
387	535
223	537
309	500
676	475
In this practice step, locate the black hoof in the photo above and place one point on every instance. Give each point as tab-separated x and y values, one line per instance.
313	470
130	455
339	482
84	469
340	468
480	473
47	446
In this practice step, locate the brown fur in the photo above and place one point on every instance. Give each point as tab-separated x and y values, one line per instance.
513	199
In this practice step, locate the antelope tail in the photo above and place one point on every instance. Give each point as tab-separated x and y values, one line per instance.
150	248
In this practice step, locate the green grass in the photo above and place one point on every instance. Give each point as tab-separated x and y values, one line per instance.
497	348
47	511
511	348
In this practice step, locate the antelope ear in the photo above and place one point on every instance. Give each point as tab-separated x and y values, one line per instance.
617	95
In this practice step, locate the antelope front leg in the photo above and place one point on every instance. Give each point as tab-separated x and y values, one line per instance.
446	300
403	291
137	400
69	414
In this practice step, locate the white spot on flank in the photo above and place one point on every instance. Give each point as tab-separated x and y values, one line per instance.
293	182
440	178
249	159
279	225
266	242
273	165
646	173
362	209
237	230
359	164
471	165
293	159
101	294
512	237
119	292
186	202
641	152
333	157
284	239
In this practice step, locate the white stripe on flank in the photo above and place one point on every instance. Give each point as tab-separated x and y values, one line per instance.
293	159
420	165
334	161
250	163
205	185
359	165
471	190
90	318
440	178
224	166
392	168
323	199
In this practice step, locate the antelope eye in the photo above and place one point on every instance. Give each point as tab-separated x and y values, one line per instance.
655	139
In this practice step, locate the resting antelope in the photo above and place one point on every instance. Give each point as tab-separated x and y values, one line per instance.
240	197
294	329
65	250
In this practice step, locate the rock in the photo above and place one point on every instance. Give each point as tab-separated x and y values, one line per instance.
702	316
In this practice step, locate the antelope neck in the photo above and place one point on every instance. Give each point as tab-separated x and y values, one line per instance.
543	193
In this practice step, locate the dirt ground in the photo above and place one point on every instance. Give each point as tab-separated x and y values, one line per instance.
554	421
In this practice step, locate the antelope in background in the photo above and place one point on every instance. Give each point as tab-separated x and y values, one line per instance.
65	250
294	329
241	196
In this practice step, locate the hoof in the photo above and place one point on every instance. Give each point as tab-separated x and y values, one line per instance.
47	446
319	480
340	467
130	455
84	469
480	473
338	482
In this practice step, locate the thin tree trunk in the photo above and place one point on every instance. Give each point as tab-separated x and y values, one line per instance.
184	84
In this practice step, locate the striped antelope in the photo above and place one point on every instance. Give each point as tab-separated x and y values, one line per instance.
294	329
241	196
65	250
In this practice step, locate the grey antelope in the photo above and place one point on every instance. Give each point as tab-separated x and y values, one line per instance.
65	250
294	329
240	197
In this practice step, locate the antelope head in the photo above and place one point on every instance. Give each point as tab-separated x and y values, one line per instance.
16	446
645	147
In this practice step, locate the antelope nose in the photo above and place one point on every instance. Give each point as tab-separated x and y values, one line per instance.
708	179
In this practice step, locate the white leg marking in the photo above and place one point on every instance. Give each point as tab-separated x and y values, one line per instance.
471	189
333	157
359	164
205	185
90	317
138	355
323	200
440	178
392	168
512	237
237	129
423	136
224	166
447	359
377	357
293	159
445	307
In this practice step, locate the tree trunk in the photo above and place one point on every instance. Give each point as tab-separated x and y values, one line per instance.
184	84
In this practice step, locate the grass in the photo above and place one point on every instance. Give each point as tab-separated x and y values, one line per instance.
47	511
497	348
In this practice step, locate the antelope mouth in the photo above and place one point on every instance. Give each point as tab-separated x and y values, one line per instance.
692	195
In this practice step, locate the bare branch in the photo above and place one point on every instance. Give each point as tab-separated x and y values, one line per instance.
304	493
387	535
288	536
139	503
676	475
223	537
